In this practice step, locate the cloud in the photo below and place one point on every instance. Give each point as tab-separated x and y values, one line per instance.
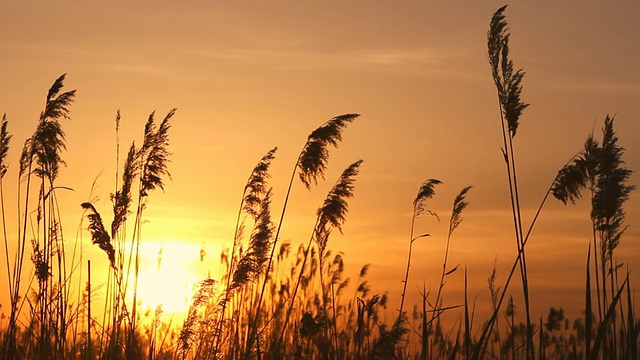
620	88
410	60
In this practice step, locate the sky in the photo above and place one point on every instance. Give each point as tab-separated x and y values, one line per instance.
246	76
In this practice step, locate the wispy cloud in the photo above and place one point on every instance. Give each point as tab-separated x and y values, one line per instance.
107	60
619	88
413	60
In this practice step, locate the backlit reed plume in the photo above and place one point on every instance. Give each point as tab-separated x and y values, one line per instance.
155	153
256	186
48	140
122	198
459	204
508	82
426	192
312	161
333	212
5	139
252	261
206	290
99	235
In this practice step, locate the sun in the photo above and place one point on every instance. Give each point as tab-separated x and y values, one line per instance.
168	272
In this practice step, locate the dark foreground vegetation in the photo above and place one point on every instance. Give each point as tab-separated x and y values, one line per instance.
281	301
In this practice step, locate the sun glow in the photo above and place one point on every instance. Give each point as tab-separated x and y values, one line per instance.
168	273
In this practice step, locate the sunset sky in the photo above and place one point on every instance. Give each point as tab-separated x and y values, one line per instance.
248	76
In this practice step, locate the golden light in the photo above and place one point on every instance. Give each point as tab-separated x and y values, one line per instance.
168	272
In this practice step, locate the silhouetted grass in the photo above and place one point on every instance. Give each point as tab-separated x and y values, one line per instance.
279	300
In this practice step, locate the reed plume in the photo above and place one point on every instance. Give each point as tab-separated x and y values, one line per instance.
206	290
426	192
99	235
459	204
333	212
599	168
256	186
252	262
508	82
48	140
312	161
155	152
122	198
5	139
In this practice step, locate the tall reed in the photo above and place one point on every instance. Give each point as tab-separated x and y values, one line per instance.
425	192
509	88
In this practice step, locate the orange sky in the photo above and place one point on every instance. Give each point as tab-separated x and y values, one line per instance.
247	76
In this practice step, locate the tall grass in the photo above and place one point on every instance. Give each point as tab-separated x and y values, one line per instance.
283	300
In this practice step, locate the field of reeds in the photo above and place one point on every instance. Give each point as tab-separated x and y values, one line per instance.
278	299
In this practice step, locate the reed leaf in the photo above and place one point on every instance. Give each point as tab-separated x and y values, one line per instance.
610	314
312	161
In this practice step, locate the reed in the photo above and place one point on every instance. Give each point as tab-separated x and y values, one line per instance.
509	87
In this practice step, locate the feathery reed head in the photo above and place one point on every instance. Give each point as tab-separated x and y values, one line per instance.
312	161
99	235
508	82
425	193
611	189
334	210
206	290
57	106
155	153
256	187
252	262
601	168
569	182
48	140
5	139
122	198
459	204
